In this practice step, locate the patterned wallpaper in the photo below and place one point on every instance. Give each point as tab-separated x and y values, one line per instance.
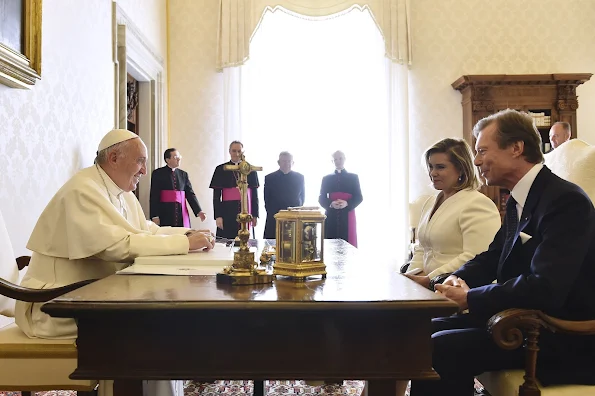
51	131
196	94
456	37
450	38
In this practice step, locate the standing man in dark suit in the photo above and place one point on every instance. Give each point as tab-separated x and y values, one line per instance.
170	189
340	194
282	189
543	257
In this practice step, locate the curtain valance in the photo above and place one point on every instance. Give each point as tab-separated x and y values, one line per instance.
239	19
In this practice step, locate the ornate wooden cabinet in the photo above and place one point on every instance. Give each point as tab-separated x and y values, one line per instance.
548	97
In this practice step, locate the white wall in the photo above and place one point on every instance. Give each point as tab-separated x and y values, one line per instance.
51	131
196	94
450	38
457	37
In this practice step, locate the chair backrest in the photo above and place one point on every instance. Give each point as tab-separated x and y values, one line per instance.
574	161
8	268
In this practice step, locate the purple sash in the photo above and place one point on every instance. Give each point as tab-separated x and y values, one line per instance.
233	194
180	197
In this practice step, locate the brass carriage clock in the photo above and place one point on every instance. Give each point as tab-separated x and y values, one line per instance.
300	243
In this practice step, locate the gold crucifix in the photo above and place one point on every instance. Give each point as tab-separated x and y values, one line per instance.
244	270
244	169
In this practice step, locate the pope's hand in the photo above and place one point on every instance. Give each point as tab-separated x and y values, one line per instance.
202	215
219	222
342	204
155	220
200	240
336	204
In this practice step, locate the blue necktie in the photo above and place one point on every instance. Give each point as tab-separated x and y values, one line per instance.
512	224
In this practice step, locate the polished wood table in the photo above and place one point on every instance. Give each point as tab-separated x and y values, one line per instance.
364	321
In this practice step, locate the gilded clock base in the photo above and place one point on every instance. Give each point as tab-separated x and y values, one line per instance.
300	271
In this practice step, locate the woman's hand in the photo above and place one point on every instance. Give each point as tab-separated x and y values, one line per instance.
421	279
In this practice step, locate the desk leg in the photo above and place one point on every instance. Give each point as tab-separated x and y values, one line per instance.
128	388
380	388
258	388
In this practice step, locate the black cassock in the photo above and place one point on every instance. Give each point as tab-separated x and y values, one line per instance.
226	198
164	182
340	223
281	191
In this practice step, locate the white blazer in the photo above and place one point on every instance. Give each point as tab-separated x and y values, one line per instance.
461	228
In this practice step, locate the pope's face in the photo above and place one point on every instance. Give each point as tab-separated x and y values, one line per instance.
131	166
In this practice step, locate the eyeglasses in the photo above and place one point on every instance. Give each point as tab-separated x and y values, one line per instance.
177	157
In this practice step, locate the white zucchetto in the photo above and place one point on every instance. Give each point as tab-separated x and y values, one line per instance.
115	136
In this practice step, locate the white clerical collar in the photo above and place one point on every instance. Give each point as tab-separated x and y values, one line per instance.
112	187
521	190
172	169
339	170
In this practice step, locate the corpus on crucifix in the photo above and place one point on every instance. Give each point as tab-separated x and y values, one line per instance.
244	270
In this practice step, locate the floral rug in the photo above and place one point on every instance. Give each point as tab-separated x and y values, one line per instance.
240	388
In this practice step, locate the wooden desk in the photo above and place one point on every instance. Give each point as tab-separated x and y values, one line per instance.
364	321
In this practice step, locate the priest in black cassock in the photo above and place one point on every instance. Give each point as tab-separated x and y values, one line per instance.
170	189
340	194
227	196
282	189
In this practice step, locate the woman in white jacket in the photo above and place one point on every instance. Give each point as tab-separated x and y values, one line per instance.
459	222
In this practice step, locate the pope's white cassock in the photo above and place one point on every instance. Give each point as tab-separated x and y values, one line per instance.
90	229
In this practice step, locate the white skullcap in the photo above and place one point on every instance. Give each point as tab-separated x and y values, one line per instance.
115	136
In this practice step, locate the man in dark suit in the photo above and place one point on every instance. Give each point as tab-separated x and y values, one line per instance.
170	189
282	189
543	257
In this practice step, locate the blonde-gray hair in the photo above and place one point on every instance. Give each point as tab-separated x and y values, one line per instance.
460	155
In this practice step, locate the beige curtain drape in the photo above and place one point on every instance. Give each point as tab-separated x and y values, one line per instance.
238	20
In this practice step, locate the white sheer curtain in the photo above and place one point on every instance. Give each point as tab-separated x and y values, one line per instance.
313	86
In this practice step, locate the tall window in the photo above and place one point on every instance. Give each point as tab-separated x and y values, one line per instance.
314	86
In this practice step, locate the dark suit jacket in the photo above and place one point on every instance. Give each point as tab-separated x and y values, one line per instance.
553	271
168	212
280	192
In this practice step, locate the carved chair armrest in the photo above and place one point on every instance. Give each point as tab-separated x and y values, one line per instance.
508	328
23	262
438	279
20	293
404	267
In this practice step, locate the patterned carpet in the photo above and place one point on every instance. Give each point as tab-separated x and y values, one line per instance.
240	388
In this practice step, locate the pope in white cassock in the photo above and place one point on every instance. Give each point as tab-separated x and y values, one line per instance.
93	227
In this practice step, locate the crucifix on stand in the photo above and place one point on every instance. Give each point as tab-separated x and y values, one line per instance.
244	270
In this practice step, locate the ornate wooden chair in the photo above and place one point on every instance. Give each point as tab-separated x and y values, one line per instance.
573	161
27	364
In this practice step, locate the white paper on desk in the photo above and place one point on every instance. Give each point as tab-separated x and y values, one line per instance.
193	263
153	269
